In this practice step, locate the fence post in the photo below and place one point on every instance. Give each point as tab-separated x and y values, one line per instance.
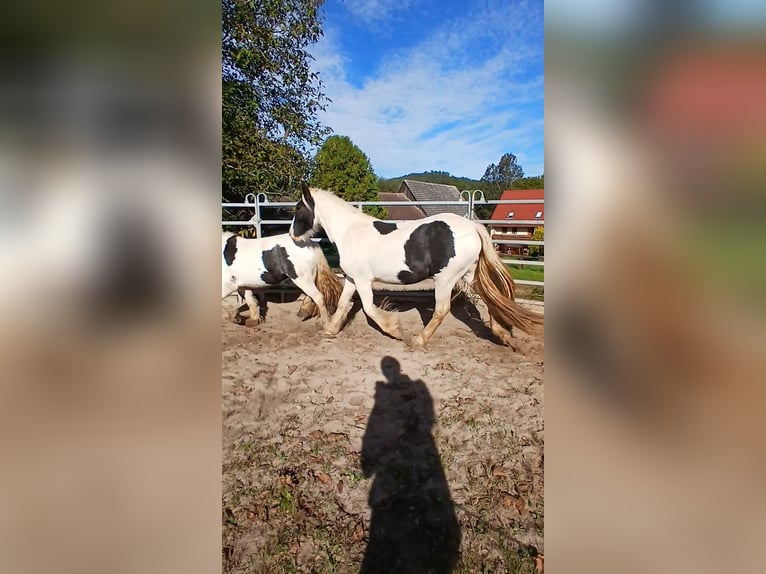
259	199
467	197
477	196
471	197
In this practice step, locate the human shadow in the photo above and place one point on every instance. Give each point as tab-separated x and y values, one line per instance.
413	528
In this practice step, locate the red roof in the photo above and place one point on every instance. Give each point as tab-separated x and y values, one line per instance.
523	211
711	94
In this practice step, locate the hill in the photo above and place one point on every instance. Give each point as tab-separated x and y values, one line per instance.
391	185
444	177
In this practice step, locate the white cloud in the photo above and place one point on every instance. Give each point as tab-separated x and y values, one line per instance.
456	102
371	12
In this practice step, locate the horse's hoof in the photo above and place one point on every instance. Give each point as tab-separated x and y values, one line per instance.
331	331
239	320
417	343
254	322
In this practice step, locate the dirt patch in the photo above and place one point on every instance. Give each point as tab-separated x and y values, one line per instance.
359	453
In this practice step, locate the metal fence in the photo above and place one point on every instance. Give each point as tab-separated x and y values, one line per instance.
470	200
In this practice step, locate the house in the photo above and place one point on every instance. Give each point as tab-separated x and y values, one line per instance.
425	191
401	212
519	220
703	113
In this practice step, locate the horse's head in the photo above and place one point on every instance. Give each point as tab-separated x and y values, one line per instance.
305	223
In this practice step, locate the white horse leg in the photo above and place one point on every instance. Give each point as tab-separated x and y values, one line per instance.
442	301
257	303
386	320
227	289
344	306
310	289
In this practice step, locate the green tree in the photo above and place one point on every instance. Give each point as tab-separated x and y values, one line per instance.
271	98
502	176
537	235
342	168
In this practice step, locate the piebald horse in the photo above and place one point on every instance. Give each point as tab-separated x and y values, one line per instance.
452	250
248	266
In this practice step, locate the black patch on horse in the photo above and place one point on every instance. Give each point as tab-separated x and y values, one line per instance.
384	227
427	251
278	266
303	220
230	250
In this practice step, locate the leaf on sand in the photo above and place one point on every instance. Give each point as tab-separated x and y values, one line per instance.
322	477
444	366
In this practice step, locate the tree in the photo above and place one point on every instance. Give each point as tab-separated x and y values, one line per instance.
502	176
271	97
342	168
537	235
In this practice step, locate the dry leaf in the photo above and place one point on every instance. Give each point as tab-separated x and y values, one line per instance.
497	472
291	369
339	486
336	436
323	477
330	399
444	366
509	501
358	533
315	434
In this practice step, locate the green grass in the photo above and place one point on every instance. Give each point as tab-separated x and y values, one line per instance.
527	272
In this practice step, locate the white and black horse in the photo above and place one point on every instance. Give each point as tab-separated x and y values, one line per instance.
452	250
248	266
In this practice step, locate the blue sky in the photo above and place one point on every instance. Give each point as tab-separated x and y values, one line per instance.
446	85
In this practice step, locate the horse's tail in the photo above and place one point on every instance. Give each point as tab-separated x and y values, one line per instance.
495	286
328	284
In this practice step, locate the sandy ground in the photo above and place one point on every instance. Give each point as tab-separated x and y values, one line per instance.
357	452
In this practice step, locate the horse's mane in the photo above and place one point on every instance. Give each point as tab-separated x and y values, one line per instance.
336	201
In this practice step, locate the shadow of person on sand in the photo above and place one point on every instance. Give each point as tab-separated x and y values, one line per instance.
413	528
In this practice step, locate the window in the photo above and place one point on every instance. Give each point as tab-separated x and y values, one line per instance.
510	215
538	215
514	229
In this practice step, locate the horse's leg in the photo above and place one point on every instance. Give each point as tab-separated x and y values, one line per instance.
386	320
226	290
503	334
263	306
310	289
442	301
255	308
344	306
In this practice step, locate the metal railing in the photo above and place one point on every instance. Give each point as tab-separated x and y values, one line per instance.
470	200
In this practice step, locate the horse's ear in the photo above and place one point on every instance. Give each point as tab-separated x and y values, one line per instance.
306	195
